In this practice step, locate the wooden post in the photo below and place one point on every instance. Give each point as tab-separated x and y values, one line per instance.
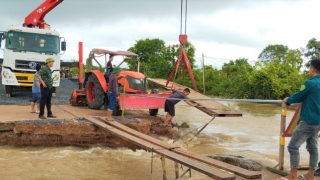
282	139
203	76
80	66
176	166
124	93
163	160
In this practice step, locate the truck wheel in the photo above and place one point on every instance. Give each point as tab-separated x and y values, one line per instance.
153	112
94	93
9	91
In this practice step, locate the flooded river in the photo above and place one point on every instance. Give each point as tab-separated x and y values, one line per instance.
255	136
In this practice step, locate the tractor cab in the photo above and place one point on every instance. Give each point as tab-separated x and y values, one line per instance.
134	82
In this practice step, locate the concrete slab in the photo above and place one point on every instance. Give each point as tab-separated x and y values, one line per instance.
11	113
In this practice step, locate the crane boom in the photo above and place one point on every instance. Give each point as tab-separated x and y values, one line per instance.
36	17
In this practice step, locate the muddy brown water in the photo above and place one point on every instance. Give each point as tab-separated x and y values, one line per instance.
255	136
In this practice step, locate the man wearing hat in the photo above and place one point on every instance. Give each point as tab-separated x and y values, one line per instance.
113	93
46	89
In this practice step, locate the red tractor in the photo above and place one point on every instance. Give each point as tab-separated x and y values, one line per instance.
96	86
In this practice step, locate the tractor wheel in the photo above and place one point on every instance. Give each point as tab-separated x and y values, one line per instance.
153	112
94	93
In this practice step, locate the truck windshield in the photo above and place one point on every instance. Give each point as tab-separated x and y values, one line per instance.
42	43
136	84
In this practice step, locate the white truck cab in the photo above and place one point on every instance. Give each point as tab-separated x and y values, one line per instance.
23	49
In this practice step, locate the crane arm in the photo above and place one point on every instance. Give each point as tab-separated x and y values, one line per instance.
36	17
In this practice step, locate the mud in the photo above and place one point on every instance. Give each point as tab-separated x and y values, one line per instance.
72	129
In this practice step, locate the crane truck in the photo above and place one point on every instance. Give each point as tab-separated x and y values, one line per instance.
26	46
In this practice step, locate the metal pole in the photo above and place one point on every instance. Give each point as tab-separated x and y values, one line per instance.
282	139
204	84
124	93
106	62
80	79
317	51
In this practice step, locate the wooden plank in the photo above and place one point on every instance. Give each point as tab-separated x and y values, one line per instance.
209	107
218	164
193	164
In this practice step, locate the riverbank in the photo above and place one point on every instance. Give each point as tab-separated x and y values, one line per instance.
19	127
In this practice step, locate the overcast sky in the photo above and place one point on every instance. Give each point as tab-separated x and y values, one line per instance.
220	29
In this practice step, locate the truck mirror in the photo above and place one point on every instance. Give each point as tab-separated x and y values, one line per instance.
2	37
63	46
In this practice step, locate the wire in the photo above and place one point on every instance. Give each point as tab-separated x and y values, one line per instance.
185	18
210	99
181	18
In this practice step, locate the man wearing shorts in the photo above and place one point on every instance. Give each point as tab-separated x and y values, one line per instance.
169	104
36	94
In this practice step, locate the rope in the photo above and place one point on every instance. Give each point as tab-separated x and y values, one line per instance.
203	128
194	130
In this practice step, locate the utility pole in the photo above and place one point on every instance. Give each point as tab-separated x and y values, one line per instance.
203	79
317	50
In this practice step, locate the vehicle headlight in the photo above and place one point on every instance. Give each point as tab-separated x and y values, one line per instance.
6	75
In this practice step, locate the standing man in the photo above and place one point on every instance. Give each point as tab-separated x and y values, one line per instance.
109	65
309	126
169	104
113	92
46	89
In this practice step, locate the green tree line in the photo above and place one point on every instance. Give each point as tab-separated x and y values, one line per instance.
279	71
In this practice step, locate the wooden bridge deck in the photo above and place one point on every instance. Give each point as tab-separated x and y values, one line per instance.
212	108
212	168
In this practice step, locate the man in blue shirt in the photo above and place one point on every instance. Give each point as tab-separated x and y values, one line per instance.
309	126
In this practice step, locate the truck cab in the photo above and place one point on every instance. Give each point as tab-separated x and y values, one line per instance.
23	49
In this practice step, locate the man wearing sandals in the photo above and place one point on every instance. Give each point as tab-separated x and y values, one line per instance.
169	104
309	126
